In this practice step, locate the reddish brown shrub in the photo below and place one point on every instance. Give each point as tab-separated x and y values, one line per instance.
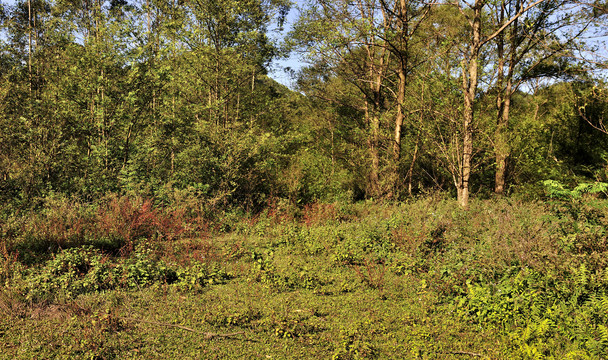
319	213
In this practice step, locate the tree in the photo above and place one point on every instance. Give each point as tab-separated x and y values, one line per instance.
538	45
404	41
340	38
473	13
373	46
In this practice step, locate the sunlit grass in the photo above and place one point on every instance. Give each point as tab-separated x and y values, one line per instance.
416	280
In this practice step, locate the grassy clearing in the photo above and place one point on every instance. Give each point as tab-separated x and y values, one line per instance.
421	280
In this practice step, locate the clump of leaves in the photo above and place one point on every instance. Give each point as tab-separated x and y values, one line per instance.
354	344
265	271
548	313
227	316
72	272
294	324
86	269
141	269
199	275
555	189
361	242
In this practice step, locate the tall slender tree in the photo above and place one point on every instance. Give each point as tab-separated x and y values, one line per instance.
538	45
372	44
479	36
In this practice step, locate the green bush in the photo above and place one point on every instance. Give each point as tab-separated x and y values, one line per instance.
86	269
72	272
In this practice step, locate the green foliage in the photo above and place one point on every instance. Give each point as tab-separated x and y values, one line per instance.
228	316
198	276
557	190
157	185
507	279
140	269
545	311
354	346
360	241
265	271
135	105
85	270
72	272
292	326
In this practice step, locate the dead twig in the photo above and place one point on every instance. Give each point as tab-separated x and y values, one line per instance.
207	335
463	353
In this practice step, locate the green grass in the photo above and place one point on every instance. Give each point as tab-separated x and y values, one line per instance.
420	280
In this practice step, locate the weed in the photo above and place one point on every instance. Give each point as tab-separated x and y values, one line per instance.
224	316
295	324
354	345
371	273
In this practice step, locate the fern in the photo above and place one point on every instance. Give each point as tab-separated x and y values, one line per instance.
544	327
600	304
581	280
576	354
603	301
603	332
595	188
555	189
531	352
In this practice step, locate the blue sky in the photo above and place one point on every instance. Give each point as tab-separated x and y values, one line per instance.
277	71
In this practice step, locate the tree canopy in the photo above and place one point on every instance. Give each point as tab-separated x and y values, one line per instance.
397	98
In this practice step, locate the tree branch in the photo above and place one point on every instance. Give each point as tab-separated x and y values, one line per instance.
510	21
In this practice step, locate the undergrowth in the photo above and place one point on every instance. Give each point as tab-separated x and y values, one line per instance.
421	279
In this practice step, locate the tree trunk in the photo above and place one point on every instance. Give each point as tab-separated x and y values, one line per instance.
400	96
376	73
410	172
29	53
469	84
398	127
372	140
501	141
499	182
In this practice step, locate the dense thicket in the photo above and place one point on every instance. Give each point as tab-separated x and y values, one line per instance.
400	97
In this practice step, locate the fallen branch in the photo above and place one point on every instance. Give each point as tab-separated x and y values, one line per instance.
463	353
207	335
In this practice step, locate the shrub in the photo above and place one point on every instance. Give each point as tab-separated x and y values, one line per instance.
86	269
72	272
